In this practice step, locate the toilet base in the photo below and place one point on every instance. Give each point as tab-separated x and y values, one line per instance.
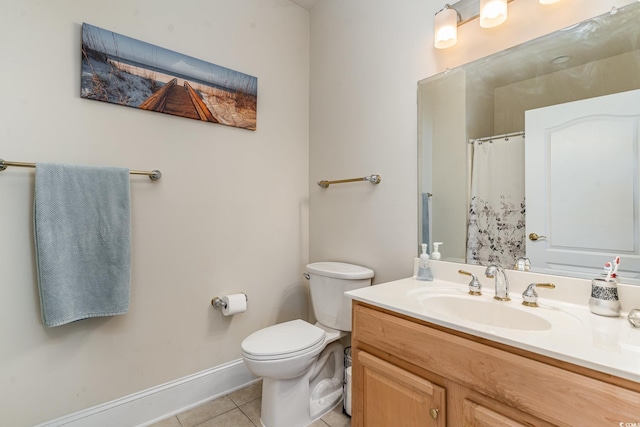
300	401
315	419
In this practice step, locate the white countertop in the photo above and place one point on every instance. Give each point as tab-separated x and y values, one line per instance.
606	344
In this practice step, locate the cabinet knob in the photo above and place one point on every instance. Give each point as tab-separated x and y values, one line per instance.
434	413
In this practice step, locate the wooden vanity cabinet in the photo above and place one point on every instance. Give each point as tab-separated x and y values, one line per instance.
407	372
395	397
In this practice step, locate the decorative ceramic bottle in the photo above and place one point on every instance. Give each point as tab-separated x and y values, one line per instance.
604	297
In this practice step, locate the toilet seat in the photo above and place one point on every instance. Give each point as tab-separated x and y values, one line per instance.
284	340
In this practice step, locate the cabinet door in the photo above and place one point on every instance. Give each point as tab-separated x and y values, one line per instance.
480	416
484	413
395	397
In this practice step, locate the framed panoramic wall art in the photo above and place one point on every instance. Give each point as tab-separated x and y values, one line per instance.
126	71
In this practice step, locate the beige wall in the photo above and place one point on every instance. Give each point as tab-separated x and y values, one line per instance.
449	212
230	213
366	58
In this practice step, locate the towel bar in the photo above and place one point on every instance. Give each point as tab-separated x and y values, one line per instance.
154	175
374	179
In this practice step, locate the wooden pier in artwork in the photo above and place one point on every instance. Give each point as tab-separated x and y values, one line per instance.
178	100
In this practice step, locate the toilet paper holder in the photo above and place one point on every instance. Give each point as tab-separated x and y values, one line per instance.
217	302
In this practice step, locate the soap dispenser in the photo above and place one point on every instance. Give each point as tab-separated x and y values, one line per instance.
424	271
436	252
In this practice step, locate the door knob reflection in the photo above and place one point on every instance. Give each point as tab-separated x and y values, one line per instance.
534	237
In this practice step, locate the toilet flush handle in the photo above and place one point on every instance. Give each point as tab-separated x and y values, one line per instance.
306	276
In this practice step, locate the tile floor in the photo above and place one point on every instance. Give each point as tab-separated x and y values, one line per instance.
240	409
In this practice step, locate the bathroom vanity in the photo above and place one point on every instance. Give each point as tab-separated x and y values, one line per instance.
430	354
419	362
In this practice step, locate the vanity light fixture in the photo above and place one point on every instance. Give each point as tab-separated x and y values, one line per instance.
446	27
492	13
451	16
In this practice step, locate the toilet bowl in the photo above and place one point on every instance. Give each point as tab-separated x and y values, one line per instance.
301	364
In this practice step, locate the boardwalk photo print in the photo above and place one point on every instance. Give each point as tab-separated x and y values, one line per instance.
125	71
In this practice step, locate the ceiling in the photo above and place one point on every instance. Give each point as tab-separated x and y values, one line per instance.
307	4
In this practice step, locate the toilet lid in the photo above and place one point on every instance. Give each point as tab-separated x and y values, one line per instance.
283	340
340	270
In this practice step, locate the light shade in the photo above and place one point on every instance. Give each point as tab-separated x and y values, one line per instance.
446	28
492	13
548	1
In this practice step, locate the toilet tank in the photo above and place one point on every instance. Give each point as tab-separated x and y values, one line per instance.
328	281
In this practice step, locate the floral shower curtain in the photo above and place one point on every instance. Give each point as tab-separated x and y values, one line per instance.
496	231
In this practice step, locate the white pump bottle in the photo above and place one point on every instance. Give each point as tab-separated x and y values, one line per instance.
436	253
424	271
424	256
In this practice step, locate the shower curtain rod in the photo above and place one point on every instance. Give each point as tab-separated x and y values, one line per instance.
489	138
154	175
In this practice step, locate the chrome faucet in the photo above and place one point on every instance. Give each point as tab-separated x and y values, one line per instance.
501	282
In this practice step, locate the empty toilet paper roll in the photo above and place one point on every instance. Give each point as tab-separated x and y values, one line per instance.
235	303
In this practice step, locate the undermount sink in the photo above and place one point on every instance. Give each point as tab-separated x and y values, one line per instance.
485	311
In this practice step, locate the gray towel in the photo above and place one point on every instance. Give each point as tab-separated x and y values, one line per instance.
425	219
83	241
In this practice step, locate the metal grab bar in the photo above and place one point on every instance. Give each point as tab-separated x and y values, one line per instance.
154	175
374	179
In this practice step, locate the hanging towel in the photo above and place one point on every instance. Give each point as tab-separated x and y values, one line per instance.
83	241
425	219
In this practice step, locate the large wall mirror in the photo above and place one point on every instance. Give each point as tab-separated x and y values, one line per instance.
534	152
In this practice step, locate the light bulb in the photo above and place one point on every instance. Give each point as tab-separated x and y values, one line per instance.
446	28
492	13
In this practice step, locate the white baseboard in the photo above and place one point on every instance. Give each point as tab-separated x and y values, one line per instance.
154	404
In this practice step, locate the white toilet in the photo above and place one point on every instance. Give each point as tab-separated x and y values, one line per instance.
301	364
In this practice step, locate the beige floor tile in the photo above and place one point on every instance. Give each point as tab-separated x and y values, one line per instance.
241	409
336	418
247	394
206	411
252	410
233	418
169	422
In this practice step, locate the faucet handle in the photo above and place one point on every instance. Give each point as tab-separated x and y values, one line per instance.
530	296
523	264
475	286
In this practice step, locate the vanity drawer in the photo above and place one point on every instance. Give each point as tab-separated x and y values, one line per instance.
550	393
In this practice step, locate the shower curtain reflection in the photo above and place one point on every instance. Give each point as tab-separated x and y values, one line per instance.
496	228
